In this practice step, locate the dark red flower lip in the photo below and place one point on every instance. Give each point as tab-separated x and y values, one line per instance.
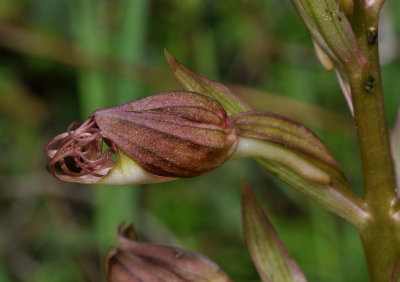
84	148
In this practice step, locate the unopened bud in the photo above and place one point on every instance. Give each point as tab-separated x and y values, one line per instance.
323	58
156	138
347	6
140	261
182	134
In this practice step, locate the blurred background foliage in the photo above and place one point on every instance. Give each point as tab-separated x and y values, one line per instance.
60	60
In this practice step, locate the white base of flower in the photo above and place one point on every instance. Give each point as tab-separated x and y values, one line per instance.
127	172
262	149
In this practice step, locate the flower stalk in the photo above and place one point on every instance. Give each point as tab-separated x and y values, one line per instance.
380	239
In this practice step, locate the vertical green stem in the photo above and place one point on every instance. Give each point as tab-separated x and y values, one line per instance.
325	240
380	244
129	48
117	204
3	274
112	204
92	94
205	55
91	88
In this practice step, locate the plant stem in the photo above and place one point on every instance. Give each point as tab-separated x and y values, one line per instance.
382	248
118	204
112	205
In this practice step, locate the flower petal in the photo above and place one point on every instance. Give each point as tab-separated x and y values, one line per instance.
171	134
139	261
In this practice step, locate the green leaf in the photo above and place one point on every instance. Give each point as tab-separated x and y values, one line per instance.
195	82
270	256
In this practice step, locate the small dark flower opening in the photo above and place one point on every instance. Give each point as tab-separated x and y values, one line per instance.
80	152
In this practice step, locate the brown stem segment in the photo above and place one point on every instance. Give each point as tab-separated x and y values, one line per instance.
382	248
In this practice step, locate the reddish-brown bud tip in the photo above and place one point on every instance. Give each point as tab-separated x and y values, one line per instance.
138	261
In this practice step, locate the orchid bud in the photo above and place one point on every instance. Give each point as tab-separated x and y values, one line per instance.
181	134
157	138
140	261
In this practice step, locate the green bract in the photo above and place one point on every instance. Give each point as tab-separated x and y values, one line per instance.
331	29
270	256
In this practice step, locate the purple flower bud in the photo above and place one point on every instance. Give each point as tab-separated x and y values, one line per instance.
168	135
181	134
140	261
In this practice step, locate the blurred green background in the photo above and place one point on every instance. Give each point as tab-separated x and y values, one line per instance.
60	60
